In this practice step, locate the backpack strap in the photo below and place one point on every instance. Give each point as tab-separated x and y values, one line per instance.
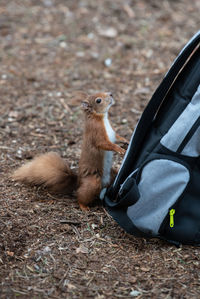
128	196
152	109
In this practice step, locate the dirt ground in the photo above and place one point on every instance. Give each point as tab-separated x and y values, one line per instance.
49	50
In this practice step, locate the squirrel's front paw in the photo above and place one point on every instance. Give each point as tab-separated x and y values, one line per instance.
121	151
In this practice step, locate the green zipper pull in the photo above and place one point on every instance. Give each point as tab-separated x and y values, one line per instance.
171	217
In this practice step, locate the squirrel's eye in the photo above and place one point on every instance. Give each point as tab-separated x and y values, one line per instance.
98	101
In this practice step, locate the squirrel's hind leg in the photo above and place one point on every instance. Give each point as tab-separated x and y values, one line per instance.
88	191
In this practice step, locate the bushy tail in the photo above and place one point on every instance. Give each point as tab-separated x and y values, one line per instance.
49	170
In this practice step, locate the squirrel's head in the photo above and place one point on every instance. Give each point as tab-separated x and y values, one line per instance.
98	103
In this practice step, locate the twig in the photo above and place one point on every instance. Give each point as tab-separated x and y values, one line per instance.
65	105
19	292
37	135
65	221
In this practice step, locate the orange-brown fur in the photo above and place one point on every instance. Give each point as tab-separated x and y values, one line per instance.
49	170
52	171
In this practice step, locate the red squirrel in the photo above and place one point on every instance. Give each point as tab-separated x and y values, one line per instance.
95	164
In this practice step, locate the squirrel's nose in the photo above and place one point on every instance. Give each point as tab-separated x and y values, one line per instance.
110	94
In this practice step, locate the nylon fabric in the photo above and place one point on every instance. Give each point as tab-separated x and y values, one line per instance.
162	183
183	124
192	149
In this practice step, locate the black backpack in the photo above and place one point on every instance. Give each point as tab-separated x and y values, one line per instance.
157	190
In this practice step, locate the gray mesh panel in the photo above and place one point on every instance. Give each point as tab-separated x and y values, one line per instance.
182	126
162	182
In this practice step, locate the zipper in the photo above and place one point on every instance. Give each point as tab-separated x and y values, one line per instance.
171	217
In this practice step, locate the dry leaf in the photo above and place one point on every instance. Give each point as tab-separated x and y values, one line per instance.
82	249
70	286
129	11
10	253
30	268
145	269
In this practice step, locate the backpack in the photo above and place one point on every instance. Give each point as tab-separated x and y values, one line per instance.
156	192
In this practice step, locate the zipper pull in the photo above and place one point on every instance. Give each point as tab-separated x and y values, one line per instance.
171	217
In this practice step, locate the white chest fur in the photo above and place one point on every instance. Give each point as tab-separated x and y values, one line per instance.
107	163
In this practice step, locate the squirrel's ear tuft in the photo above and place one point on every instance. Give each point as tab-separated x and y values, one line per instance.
82	95
77	98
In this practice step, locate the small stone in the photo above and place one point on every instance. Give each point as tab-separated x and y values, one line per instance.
63	45
90	35
109	32
124	121
108	62
46	249
4	76
135	293
19	153
13	114
37	268
10	119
